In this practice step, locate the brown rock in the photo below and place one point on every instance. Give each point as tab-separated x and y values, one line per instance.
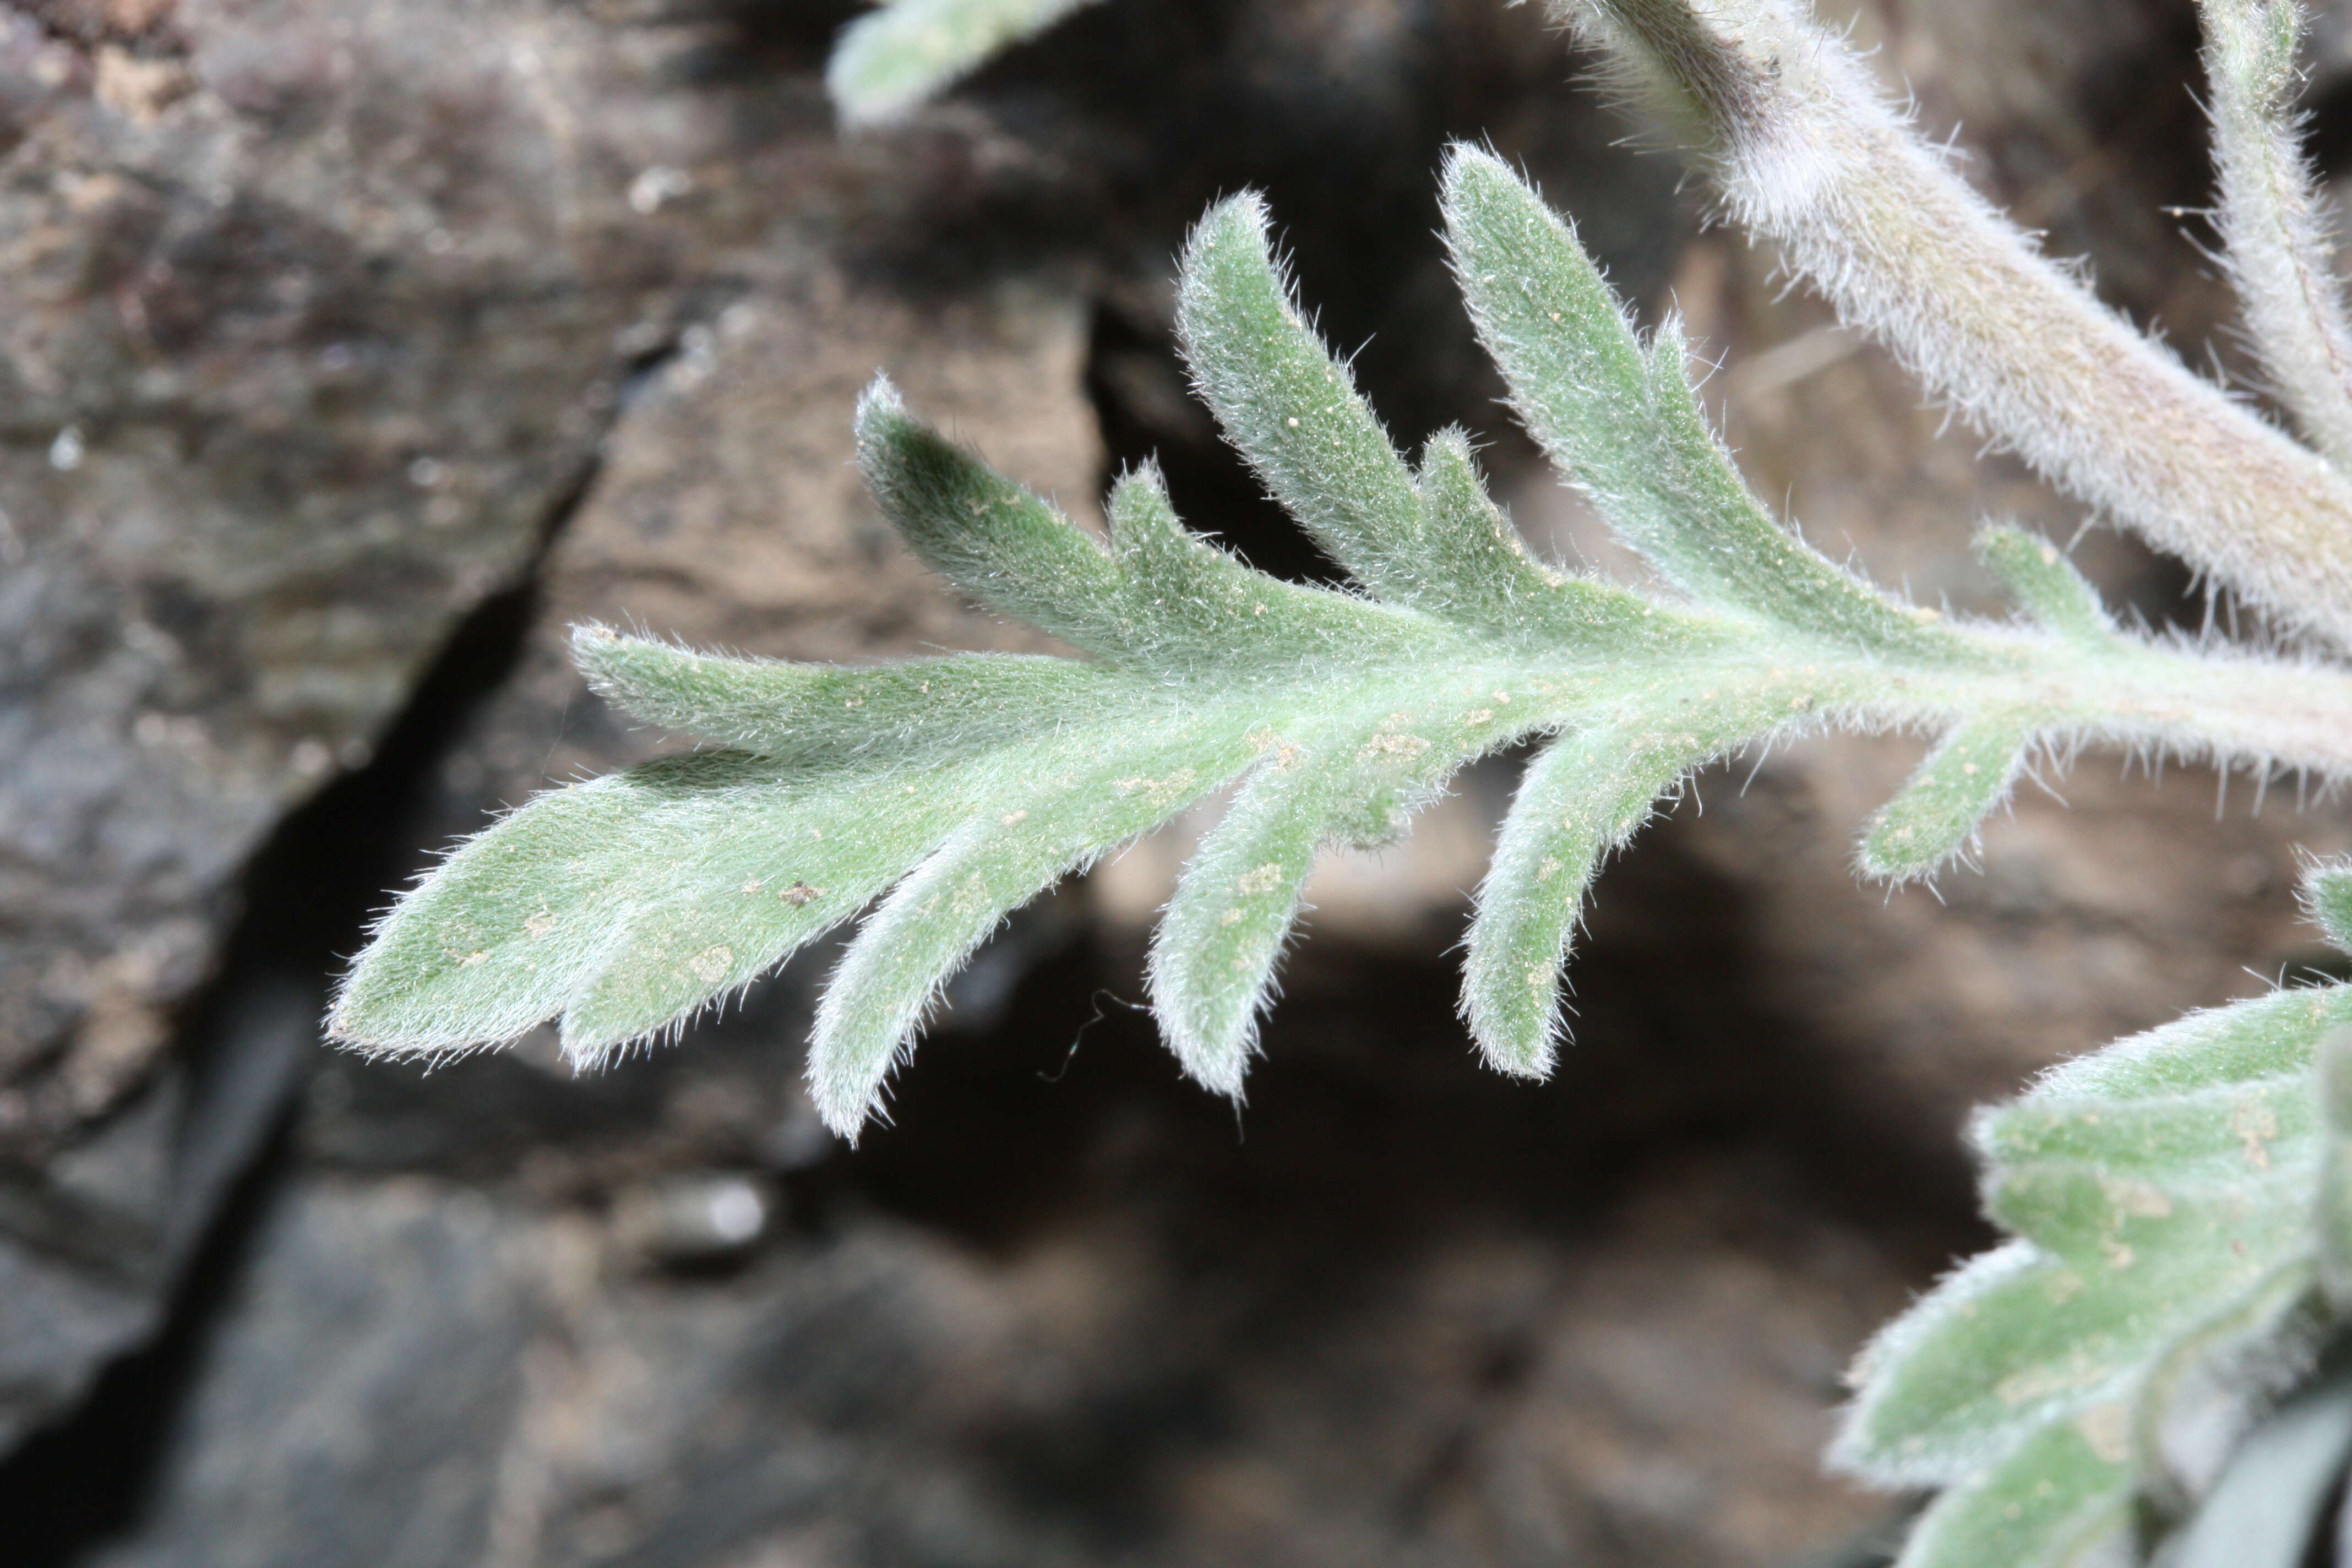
315	315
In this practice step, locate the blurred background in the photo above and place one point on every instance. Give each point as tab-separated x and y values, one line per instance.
350	350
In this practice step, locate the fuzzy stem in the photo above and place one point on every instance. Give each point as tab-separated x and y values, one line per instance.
2270	217
1809	153
2196	706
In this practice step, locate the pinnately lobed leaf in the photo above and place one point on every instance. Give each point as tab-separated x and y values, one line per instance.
954	788
2178	1204
2170	1199
1620	420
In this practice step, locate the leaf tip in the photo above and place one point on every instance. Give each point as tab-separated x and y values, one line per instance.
1526	1053
1466	162
859	1040
2327	899
1211	1038
879	404
1220	1065
1142	486
371	1014
344	1024
1242	215
1890	851
1939	811
845	1098
595	647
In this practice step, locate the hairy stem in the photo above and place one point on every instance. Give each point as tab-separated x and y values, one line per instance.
2233	711
2270	217
1808	154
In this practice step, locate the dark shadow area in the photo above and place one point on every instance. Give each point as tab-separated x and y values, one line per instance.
1143	400
1370	1124
2328	136
1373	1139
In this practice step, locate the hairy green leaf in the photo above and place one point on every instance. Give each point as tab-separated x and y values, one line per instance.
1964	778
2173	1200
1584	796
2061	1501
1621	421
954	788
2007	1345
1004	546
2244	1042
2220	1126
894	57
2179	1205
1212	960
908	713
720	862
2245	1207
2327	896
1081	805
2046	583
1294	411
1479	574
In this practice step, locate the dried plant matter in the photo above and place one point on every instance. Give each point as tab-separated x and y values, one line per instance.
2178	1203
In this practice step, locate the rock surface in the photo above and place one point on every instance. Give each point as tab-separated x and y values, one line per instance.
313	336
422	1376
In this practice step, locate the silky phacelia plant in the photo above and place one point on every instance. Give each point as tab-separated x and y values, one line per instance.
2180	1205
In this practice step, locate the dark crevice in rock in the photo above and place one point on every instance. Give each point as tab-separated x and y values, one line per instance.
245	1044
314	888
79	1484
